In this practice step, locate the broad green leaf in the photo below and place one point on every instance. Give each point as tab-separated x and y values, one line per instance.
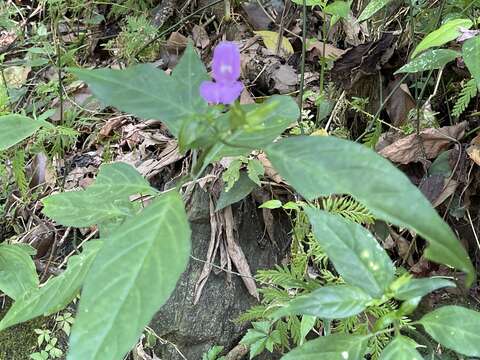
268	121
15	128
106	200
429	60
271	204
339	8
17	270
401	348
239	191
333	347
132	277
321	166
454	327
421	287
470	52
306	325
447	32
327	302
149	93
372	8
354	252
57	292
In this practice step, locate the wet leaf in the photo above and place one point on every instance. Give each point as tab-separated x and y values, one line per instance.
447	32
429	60
372	8
454	327
320	166
355	253
470	52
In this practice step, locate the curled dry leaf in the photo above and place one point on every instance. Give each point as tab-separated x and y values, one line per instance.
429	143
473	151
316	48
200	37
235	253
400	103
269	170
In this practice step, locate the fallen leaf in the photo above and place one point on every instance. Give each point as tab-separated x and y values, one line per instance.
200	37
236	254
400	103
449	188
16	76
256	16
269	170
270	39
430	142
316	47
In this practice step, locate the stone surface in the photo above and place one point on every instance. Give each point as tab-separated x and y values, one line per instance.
196	328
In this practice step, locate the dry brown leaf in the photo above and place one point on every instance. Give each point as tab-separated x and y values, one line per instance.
269	170
400	103
474	153
235	253
430	142
200	37
316	48
111	125
449	188
215	234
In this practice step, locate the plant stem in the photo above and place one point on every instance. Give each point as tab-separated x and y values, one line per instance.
302	69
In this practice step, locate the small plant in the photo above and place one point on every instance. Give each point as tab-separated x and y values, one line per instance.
46	342
213	354
137	31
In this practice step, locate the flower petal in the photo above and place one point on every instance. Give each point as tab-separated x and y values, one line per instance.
226	62
230	92
210	92
220	93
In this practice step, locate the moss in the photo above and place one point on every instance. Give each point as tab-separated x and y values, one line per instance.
18	342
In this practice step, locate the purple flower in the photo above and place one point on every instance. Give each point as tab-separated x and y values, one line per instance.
466	34
225	88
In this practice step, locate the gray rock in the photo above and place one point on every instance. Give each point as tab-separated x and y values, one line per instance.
196	328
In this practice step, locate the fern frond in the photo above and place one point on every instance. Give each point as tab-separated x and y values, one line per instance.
18	169
254	313
371	139
348	208
280	276
468	92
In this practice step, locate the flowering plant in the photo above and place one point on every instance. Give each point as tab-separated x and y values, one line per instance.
140	246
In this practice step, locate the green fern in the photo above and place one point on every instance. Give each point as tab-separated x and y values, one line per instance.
348	208
468	92
18	169
371	139
55	140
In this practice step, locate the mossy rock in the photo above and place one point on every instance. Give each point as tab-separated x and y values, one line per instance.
18	342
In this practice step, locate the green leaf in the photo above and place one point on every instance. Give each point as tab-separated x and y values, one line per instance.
149	93
333	347
239	191
57	292
255	170
421	287
107	199
271	204
17	270
267	121
260	338
339	9
401	348
429	60
354	252
321	166
15	128
327	302
454	327
447	32
372	8
470	51
306	325
132	277
232	174
309	2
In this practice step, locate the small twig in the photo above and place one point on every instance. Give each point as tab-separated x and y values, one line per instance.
473	229
302	69
221	268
